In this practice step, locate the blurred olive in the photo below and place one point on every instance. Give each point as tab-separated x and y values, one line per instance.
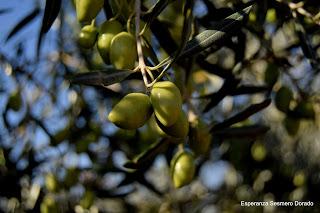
87	199
49	205
271	74
283	98
15	101
258	151
292	125
304	109
51	182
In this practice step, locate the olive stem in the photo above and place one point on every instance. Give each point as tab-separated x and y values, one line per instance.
142	64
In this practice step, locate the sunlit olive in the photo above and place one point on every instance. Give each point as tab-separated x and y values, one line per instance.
87	200
87	10
200	137
15	101
299	178
107	31
283	98
51	182
87	36
167	102
179	129
292	125
182	169
258	151
132	111
304	109
123	51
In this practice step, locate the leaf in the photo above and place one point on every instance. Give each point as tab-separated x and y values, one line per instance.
25	21
216	36
101	78
51	12
254	108
147	156
153	12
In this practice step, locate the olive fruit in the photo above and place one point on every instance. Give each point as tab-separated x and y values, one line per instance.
49	205
292	125
15	101
182	169
87	36
132	111
123	51
271	74
283	98
87	200
200	137
179	129
87	10
51	182
304	109
107	31
166	101
258	151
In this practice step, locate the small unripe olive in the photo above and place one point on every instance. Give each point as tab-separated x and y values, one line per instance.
258	151
283	98
179	129
15	101
200	137
123	51
87	10
304	109
271	74
87	36
292	125
132	111
51	182
107	31
167	102
182	169
87	200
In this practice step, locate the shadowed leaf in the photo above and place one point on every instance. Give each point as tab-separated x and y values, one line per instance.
245	131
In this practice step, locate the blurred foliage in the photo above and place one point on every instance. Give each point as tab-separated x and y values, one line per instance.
59	152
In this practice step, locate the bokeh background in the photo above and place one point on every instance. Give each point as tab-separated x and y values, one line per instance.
57	146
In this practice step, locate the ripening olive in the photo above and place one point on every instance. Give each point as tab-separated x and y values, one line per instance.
304	109
182	169
51	182
87	200
87	36
179	129
15	101
292	125
107	31
132	111
167	102
283	98
87	10
123	52
200	137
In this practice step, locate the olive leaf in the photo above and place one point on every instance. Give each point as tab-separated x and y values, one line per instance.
26	20
217	35
101	78
51	12
147	156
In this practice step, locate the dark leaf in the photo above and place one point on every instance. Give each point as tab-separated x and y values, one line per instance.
216	36
244	131
101	78
153	12
51	12
25	21
254	108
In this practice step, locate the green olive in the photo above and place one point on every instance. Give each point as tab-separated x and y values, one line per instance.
123	51
87	200
107	31
304	109
271	74
258	151
167	102
132	111
283	98
179	129
51	182
49	205
292	125
87	10
200	137
15	101
182	169
87	36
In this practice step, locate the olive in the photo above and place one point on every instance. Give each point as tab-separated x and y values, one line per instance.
123	51
283	98
87	10
166	101
200	137
51	182
87	200
292	125
49	205
304	109
258	151
271	74
87	36
182	169
15	101
179	129
132	111
107	31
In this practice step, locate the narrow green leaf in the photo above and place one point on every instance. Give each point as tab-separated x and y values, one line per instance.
25	21
153	12
101	78
216	36
51	12
147	156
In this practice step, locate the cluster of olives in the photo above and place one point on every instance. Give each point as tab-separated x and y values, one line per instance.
303	109
115	46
